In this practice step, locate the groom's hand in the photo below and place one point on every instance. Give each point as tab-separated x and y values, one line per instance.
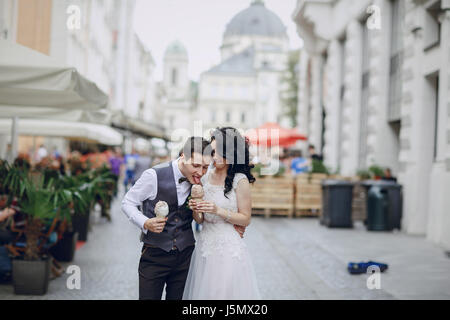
240	230
156	224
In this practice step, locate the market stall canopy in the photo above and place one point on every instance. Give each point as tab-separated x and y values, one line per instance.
70	129
271	134
32	83
140	127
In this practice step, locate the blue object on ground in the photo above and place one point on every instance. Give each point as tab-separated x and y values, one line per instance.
361	267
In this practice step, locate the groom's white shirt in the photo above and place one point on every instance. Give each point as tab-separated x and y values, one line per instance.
147	188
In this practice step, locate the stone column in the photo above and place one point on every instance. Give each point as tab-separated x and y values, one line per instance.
303	96
382	142
412	176
445	76
439	202
333	105
315	115
352	99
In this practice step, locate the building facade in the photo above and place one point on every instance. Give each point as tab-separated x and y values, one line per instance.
176	93
95	37
243	90
374	90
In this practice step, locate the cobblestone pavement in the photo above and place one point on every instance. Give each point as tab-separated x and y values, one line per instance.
293	259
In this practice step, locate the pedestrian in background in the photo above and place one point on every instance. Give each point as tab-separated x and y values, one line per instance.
388	175
130	167
143	163
298	163
313	155
116	162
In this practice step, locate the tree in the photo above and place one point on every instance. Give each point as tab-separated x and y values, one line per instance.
289	88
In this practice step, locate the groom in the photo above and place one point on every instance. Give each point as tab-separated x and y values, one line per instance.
168	242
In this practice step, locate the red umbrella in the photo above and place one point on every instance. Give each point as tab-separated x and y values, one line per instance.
271	134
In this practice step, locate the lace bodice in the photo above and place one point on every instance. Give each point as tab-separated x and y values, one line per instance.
219	236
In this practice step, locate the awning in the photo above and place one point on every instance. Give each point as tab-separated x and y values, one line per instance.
70	129
32	83
150	130
271	134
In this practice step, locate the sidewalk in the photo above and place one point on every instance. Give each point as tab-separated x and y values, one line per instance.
293	259
314	259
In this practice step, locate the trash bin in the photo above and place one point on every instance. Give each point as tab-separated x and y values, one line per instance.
384	205
337	204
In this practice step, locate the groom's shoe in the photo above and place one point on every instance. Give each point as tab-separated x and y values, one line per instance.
361	267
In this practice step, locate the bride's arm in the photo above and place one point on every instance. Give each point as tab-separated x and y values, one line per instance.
244	204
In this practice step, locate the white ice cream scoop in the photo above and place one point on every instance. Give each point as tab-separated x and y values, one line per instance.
161	209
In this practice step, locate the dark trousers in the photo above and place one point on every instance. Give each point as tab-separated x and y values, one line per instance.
158	267
5	237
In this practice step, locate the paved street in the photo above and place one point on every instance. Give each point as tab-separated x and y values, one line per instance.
293	258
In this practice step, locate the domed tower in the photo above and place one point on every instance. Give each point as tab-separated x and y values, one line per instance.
175	77
255	26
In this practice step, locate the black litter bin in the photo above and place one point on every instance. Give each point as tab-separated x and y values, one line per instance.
384	205
337	204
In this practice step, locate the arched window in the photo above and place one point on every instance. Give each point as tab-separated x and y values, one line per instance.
174	76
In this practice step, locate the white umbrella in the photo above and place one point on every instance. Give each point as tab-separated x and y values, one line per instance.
33	85
30	81
69	129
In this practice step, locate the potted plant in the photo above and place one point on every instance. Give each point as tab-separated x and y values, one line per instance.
31	271
65	194
94	187
363	174
377	172
318	167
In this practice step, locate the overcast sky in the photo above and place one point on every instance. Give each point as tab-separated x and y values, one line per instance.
200	25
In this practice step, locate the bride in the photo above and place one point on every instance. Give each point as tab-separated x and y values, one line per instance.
221	267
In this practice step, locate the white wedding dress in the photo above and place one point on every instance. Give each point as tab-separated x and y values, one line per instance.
221	267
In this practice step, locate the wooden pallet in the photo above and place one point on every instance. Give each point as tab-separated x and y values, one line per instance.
267	213
307	213
308	194
273	196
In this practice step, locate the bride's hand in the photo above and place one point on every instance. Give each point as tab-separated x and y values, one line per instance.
207	206
193	206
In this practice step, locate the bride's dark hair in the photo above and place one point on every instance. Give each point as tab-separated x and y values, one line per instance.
233	147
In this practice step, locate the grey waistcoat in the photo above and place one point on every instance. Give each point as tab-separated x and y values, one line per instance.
178	229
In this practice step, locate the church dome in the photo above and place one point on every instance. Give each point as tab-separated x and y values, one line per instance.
176	48
256	20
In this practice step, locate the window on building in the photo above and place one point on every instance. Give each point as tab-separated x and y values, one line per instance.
213	116
432	26
228	116
436	113
174	77
141	109
395	74
243	117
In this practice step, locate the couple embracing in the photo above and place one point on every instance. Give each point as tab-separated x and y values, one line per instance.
217	266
